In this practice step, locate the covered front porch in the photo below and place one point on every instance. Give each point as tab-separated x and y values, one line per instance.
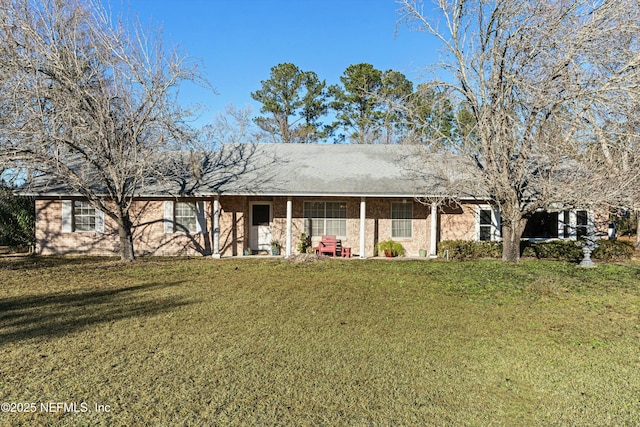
243	225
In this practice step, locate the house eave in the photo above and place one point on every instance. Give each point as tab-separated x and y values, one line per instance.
265	194
349	195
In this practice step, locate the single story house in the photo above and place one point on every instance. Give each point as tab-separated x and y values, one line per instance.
245	197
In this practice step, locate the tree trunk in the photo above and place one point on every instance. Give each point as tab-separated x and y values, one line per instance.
511	233
125	233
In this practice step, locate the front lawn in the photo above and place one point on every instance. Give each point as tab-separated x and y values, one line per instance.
268	342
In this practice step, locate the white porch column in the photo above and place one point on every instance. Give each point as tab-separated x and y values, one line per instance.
591	223
216	227
363	215
561	220
573	224
289	227
433	234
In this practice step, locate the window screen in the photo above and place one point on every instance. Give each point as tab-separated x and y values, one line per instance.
185	217
401	216
323	218
84	216
261	215
485	224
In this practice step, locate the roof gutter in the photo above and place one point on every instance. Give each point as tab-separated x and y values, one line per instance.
268	194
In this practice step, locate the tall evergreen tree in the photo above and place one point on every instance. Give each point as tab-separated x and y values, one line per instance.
357	104
433	117
314	107
293	101
395	89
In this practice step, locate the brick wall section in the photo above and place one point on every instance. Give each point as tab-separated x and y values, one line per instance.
459	222
455	223
234	214
150	238
149	235
51	240
378	225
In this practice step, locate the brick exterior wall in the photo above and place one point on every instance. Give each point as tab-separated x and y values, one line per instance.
150	237
234	214
453	223
51	240
458	222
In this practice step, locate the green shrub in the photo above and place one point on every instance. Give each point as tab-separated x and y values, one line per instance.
390	248
613	250
304	244
465	249
566	250
17	219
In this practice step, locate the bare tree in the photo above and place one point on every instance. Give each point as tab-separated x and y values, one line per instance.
92	101
530	74
613	154
233	126
606	143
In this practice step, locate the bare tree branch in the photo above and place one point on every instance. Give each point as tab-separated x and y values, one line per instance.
540	80
89	101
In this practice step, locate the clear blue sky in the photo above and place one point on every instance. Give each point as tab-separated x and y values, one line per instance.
239	41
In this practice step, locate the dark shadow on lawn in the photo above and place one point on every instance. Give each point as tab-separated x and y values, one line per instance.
36	262
32	262
59	314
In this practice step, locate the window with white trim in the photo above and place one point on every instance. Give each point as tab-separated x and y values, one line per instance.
582	224
325	218
80	216
574	224
542	225
84	216
401	220
184	217
487	223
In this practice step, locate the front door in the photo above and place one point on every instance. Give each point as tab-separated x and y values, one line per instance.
260	233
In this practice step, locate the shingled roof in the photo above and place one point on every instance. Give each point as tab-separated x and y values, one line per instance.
301	170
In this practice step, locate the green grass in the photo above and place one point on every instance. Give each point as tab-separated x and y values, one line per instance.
267	342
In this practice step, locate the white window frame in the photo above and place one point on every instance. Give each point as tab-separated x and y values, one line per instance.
309	227
402	220
185	217
171	225
564	228
495	222
583	229
69	217
572	225
560	226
